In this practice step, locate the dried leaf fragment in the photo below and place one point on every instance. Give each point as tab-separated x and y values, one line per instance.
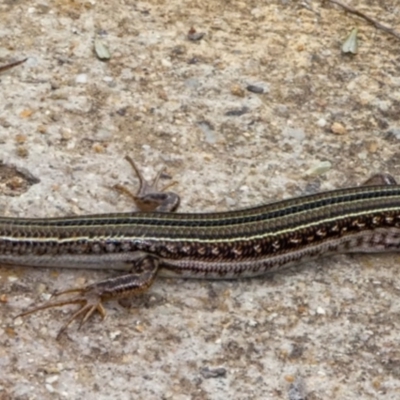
101	50
350	45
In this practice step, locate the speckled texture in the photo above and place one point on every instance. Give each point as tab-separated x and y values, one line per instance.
69	119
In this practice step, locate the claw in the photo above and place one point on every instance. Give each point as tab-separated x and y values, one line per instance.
91	297
89	301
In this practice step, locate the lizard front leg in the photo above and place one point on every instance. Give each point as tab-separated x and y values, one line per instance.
91	297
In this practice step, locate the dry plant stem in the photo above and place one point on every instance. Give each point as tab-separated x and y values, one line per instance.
14	64
377	24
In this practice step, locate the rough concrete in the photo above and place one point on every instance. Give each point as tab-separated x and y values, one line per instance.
68	118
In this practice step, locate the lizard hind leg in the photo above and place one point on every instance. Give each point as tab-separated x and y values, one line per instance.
91	297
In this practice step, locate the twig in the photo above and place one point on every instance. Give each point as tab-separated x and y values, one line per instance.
14	64
377	24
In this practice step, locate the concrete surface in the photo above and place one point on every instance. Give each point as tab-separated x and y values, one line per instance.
330	327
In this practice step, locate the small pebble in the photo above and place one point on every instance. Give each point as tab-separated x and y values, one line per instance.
20	138
193	35
98	148
255	89
114	335
42	129
320	311
66	133
22	152
49	388
26	113
237	90
237	112
338	129
81	78
372	147
52	378
208	373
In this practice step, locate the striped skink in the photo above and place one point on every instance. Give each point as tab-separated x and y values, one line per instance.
233	244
